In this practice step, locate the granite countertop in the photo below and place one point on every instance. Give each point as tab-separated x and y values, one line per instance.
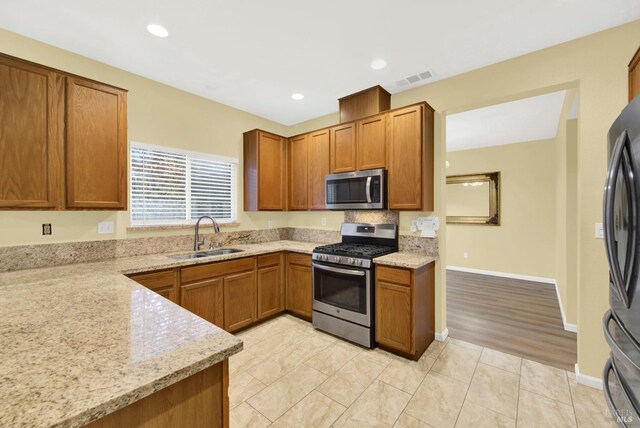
405	260
81	341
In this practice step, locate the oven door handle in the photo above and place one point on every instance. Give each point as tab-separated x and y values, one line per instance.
339	270
368	190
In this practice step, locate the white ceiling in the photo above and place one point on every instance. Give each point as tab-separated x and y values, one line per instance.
253	54
528	119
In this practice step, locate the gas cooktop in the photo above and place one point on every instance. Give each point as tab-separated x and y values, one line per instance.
355	250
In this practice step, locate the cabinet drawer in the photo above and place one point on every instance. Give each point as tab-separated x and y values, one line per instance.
396	276
268	260
155	280
212	270
299	259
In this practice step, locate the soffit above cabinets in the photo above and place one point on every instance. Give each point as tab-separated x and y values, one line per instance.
528	119
253	55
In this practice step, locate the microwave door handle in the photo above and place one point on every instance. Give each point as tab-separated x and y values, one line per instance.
609	227
369	189
338	270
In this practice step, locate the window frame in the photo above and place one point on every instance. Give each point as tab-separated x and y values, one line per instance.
190	154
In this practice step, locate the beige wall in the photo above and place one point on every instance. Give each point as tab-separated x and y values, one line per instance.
525	240
158	114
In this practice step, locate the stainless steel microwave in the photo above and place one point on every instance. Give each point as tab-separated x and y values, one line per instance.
359	190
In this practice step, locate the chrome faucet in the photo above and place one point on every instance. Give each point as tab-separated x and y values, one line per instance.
197	242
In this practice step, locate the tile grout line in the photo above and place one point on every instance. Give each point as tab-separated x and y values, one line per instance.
518	400
573	403
468	388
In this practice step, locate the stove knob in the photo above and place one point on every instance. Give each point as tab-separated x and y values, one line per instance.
351	260
324	257
359	262
338	259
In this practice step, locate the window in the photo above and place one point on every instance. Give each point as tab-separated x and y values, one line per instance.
171	186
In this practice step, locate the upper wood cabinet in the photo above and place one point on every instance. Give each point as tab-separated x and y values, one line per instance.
410	167
319	167
372	142
264	171
96	145
343	148
298	173
634	76
364	103
31	135
63	142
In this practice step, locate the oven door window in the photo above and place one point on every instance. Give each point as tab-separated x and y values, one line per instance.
340	290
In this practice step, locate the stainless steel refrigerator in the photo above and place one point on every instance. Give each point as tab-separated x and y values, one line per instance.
621	377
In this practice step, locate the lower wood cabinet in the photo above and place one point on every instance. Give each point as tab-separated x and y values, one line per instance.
204	298
270	285
164	282
239	300
201	400
405	311
232	294
299	285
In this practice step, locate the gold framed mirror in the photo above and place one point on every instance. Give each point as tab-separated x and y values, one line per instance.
474	199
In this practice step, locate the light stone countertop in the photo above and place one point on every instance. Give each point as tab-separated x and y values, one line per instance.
405	260
81	341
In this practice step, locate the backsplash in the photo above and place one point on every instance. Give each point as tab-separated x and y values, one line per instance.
389	217
46	255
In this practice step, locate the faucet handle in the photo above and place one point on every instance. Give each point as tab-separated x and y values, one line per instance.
211	245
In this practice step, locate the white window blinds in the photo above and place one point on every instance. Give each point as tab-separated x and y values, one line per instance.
170	186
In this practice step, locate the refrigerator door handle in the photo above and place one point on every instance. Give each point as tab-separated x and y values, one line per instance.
617	157
611	341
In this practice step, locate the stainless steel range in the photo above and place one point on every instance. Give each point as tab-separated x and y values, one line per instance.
344	283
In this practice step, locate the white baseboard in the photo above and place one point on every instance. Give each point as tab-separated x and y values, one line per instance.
504	274
587	380
567	326
442	336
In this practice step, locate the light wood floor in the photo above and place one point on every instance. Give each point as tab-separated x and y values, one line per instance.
513	316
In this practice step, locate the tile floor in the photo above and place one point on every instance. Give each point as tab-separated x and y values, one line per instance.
290	375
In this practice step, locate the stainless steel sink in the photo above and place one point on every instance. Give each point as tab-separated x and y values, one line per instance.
201	254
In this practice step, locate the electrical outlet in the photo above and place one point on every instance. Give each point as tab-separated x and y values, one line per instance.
46	229
323	221
465	255
599	231
270	224
105	227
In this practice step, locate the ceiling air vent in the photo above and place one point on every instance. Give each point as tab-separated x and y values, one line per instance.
425	75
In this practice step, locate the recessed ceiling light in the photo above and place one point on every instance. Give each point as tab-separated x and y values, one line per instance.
297	96
378	64
157	30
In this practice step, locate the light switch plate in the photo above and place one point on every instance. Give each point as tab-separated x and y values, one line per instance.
323	221
105	227
599	231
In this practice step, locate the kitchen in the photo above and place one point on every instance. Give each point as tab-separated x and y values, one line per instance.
159	115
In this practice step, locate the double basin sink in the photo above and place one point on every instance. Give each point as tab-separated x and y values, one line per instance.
200	254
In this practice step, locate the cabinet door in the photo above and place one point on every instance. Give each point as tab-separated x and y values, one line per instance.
298	183
96	145
299	290
394	323
318	168
269	291
372	142
239	300
343	148
271	172
405	141
204	299
634	76
31	136
164	282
